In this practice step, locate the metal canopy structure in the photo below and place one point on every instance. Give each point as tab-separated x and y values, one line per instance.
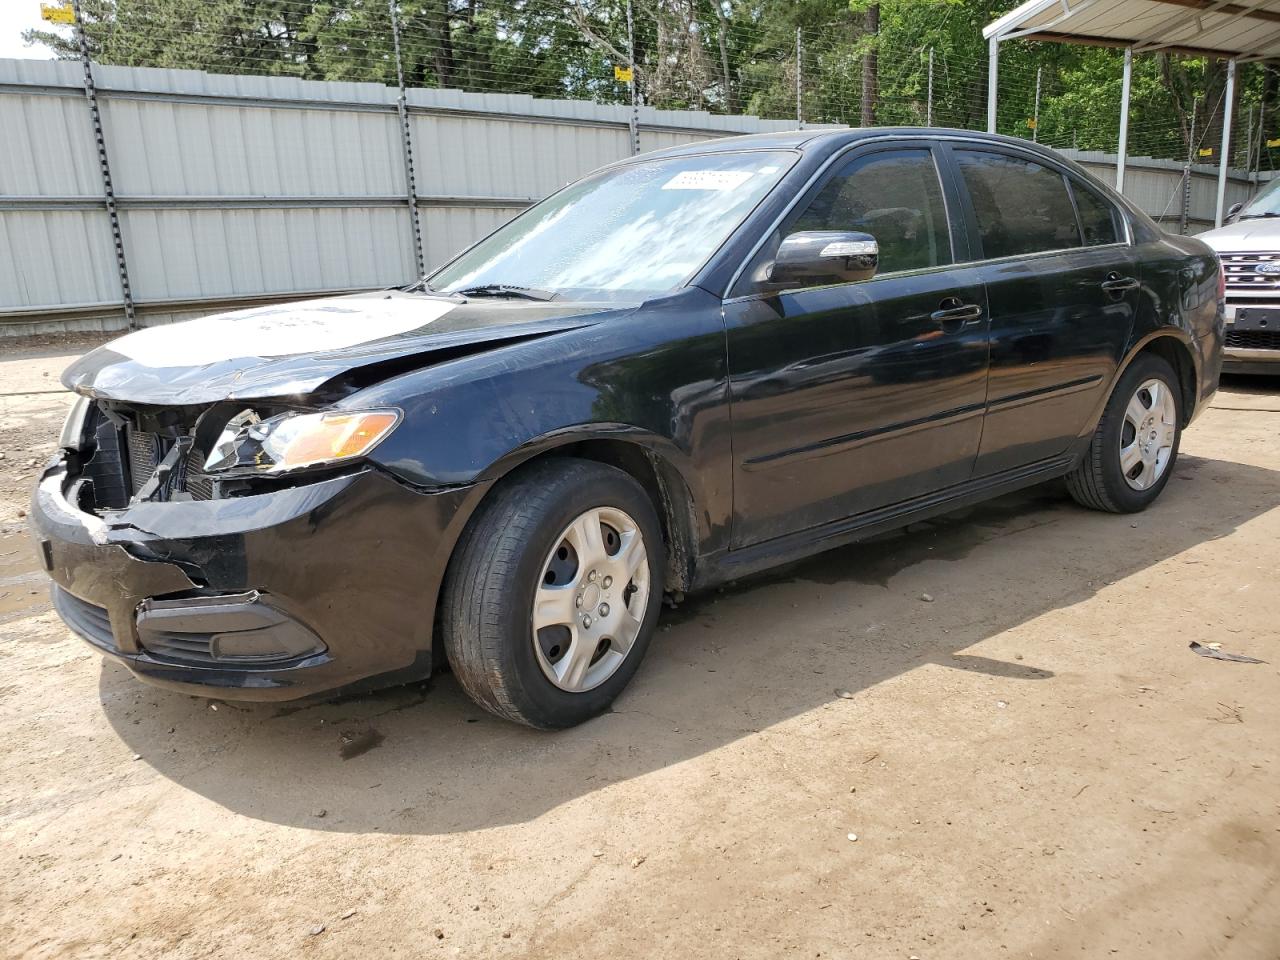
1238	32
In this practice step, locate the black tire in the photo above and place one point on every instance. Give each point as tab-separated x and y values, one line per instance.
492	578
1098	482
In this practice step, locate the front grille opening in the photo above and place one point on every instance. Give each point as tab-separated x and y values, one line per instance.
1241	260
242	630
147	450
144	457
1245	282
195	481
86	619
1254	339
1245	302
188	647
128	445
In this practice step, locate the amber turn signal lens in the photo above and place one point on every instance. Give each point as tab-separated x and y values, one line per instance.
327	437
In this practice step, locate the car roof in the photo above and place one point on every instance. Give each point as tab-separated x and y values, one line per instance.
822	139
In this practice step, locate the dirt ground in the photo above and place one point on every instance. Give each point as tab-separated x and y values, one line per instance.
1033	762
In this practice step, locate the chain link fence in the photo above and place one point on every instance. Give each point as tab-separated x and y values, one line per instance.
718	63
769	59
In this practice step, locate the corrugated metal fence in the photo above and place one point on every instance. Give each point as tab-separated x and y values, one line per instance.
1157	187
234	190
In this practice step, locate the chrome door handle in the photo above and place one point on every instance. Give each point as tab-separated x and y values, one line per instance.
952	314
1118	284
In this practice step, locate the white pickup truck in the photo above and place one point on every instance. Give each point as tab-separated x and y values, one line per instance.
1249	248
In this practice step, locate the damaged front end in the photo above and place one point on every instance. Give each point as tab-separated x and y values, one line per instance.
137	453
215	518
242	549
121	454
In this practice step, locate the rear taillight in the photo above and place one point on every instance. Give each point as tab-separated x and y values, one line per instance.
1222	281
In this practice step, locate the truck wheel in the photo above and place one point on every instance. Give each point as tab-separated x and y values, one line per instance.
552	594
1135	446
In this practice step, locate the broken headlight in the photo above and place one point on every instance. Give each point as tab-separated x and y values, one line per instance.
294	441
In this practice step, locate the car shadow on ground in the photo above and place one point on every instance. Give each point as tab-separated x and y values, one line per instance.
424	760
1265	387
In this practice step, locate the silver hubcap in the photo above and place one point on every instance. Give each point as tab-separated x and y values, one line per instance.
1147	434
591	599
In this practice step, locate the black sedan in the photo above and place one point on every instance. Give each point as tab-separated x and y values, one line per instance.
681	369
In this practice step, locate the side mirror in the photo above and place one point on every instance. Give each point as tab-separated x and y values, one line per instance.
1232	210
815	257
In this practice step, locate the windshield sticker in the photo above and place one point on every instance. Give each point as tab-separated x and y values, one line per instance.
310	326
708	179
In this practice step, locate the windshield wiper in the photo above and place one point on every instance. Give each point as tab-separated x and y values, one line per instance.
425	289
507	290
1257	216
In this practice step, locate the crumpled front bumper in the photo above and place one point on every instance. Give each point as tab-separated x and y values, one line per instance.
342	573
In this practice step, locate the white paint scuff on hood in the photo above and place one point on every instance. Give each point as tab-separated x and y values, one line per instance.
309	326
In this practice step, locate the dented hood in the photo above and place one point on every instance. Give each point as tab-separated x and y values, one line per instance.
292	349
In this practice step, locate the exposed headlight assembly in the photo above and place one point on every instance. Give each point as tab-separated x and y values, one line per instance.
295	441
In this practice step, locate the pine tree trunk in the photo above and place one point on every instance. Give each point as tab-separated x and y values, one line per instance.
870	69
445	66
730	95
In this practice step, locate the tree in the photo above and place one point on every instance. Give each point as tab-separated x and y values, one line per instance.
226	36
870	83
864	61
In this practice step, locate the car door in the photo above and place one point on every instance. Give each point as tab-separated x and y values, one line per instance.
853	396
1062	286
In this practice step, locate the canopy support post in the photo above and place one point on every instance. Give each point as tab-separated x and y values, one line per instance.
993	79
1224	154
1122	151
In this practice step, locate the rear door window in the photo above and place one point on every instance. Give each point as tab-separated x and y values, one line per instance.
1021	207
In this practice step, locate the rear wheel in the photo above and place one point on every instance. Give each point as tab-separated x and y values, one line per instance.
1135	445
552	595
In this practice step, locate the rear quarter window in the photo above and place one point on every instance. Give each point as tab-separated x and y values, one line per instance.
1098	218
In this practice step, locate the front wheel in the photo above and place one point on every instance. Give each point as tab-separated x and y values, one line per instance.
551	597
1135	445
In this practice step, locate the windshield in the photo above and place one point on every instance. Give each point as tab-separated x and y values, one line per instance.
1267	203
625	233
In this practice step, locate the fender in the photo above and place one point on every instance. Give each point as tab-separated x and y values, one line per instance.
679	485
657	382
659	447
1175	334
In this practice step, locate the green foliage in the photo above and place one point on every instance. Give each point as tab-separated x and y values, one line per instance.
717	55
